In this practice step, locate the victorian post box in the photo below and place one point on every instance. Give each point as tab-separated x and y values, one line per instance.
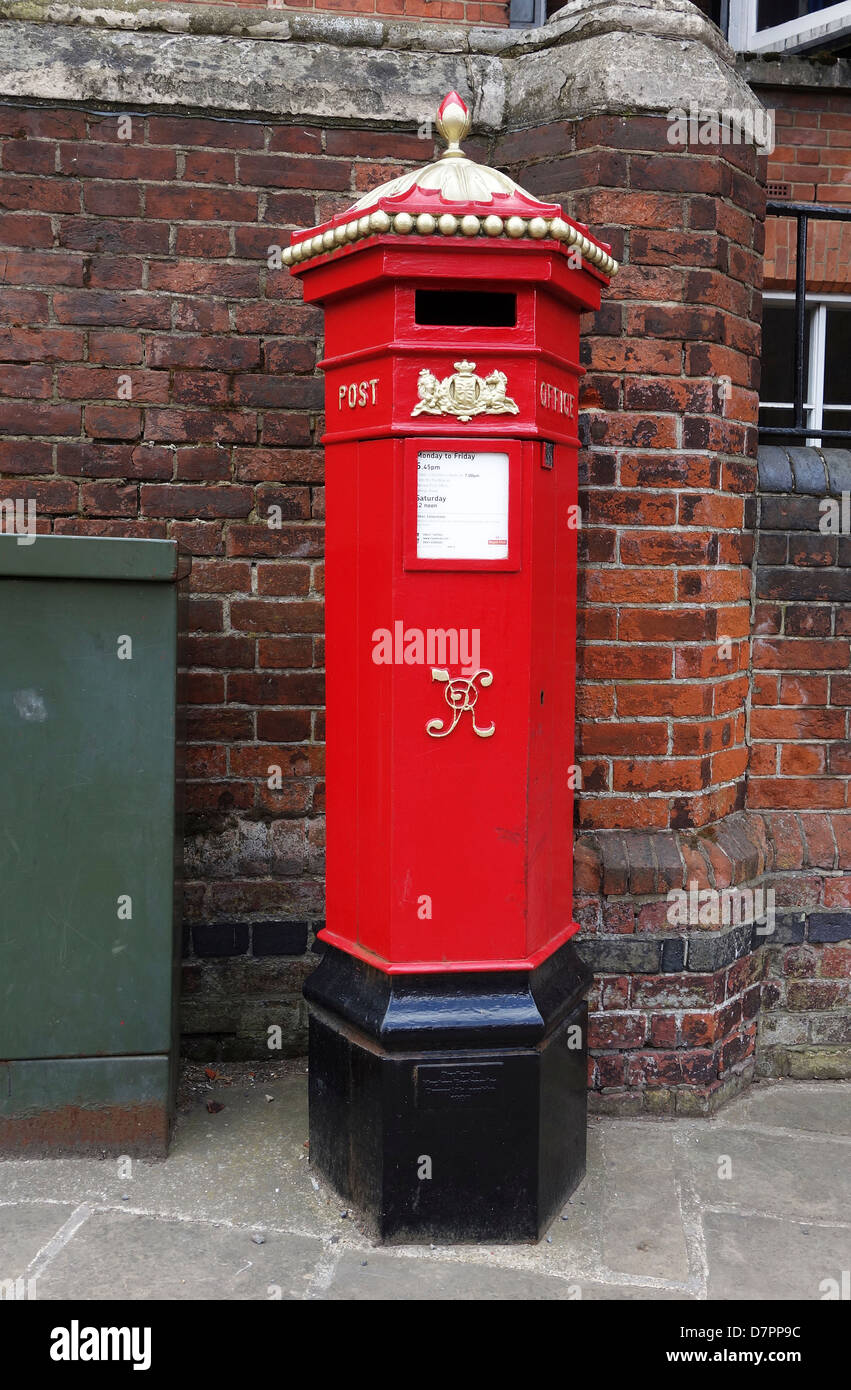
447	1032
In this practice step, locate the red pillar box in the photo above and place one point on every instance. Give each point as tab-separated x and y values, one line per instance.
447	1043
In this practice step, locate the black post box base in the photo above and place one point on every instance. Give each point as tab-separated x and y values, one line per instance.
449	1108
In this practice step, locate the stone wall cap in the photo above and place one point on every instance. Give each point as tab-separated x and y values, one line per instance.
803	469
594	57
826	72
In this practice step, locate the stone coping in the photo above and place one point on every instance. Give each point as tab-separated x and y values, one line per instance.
579	19
803	469
597	57
825	73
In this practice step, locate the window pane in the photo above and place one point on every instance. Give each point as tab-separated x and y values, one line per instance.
837	356
778	352
775	418
837	420
771	12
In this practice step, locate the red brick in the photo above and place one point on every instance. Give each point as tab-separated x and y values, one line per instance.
618	812
123	160
185	131
304	688
284	653
39	195
797	792
108	499
257	615
82	458
115	347
118	236
112	422
836	962
219	354
26	382
23	417
283	579
21	229
194	277
169	500
112	199
197	426
25	456
616	1030
189	203
49	495
221	576
23	306
101	307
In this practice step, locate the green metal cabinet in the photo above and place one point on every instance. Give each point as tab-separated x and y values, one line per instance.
88	844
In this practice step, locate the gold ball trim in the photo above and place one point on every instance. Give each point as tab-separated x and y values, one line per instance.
425	224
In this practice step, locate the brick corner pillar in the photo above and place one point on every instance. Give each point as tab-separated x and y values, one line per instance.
667	487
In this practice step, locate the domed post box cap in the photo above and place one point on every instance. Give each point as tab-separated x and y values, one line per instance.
451	197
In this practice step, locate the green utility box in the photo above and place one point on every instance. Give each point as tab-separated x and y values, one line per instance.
89	844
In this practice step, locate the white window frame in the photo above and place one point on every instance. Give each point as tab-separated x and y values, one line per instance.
816	305
791	37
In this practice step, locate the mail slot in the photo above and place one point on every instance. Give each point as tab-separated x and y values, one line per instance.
448	1046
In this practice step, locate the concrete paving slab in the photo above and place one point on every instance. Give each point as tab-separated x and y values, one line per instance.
375	1275
640	1217
821	1108
245	1163
804	1177
119	1255
24	1230
758	1257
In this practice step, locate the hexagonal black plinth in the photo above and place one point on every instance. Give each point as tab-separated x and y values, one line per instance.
449	1107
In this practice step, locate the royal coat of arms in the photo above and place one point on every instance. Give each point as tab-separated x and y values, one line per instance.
464	394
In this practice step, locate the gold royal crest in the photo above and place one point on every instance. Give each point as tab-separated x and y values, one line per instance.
464	394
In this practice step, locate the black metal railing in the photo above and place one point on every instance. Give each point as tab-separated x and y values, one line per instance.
804	213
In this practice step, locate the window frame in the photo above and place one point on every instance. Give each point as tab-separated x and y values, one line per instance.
814	404
795	34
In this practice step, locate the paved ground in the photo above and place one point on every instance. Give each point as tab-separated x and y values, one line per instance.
236	1214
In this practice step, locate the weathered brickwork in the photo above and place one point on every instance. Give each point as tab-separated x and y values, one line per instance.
800	753
812	158
668	476
683	1017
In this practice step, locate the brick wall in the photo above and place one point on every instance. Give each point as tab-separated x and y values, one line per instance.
684	1016
669	409
812	156
805	1025
801	754
147	257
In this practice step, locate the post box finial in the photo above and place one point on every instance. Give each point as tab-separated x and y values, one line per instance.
453	123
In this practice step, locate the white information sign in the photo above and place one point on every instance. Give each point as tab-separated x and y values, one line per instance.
462	505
